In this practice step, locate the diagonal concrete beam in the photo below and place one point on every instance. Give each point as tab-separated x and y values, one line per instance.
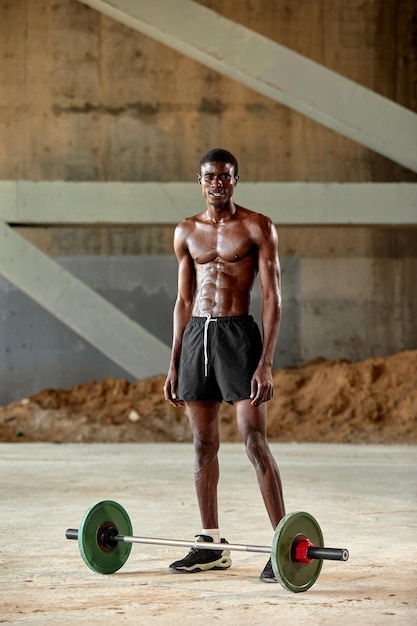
80	308
274	71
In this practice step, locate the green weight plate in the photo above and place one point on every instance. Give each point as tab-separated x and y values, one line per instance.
293	575
101	558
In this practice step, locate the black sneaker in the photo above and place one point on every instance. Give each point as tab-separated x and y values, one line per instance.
201	560
268	576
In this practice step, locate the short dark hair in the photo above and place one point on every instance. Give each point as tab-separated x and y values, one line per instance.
221	156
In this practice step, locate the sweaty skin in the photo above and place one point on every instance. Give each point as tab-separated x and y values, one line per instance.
220	252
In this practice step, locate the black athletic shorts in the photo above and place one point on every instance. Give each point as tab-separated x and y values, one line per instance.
218	358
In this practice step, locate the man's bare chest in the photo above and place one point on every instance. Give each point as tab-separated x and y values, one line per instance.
223	244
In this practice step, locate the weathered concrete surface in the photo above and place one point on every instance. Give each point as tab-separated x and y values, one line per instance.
274	71
364	498
111	104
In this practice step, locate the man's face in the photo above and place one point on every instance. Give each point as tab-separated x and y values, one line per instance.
218	181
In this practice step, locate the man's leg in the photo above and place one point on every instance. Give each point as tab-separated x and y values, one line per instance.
252	426
204	422
251	421
203	417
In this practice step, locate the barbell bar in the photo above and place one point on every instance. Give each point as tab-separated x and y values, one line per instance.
105	540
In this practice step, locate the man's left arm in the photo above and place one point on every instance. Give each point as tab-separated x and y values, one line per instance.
270	280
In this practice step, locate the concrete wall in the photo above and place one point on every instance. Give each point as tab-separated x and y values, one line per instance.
85	98
38	351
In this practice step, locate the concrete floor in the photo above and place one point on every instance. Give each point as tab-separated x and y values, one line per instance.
364	498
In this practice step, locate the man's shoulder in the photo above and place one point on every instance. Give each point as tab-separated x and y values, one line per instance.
259	227
188	223
254	216
185	229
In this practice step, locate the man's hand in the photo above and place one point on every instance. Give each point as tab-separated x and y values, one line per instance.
170	388
262	386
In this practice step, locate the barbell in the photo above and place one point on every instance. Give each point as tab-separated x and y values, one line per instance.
105	540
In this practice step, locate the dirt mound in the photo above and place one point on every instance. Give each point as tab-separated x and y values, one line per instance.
373	401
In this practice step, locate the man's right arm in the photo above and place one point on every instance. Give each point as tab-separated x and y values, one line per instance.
182	309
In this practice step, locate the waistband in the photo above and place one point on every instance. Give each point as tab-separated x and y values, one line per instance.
226	319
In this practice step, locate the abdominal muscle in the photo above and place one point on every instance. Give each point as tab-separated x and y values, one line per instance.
223	288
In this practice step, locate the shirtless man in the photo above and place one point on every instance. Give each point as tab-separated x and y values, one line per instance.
217	351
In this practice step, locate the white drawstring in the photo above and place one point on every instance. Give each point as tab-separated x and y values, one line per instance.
206	325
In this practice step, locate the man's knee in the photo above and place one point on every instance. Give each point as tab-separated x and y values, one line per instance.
205	449
256	447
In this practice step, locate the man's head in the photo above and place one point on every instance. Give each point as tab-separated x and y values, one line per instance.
218	177
220	155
